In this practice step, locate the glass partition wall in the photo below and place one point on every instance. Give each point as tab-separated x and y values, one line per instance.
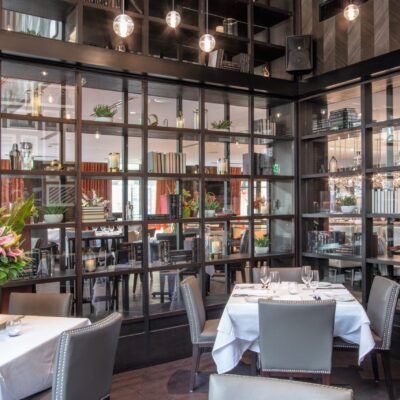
141	183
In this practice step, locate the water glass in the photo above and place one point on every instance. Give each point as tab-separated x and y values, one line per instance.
293	288
264	276
275	281
306	274
314	281
14	327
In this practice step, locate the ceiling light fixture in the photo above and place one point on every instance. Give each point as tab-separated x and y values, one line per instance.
351	11
207	41
123	24
173	18
97	134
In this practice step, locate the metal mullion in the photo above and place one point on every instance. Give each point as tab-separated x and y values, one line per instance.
202	187
251	185
250	35
295	109
125	149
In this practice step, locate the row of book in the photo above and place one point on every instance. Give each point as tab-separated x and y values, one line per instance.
92	214
386	201
166	163
344	118
240	62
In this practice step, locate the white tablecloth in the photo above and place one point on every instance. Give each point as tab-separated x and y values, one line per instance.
26	361
238	329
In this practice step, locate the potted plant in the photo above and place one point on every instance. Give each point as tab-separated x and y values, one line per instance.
261	245
190	206
104	113
348	204
211	205
223	125
53	214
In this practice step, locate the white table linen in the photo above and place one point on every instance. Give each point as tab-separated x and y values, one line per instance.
26	361
238	329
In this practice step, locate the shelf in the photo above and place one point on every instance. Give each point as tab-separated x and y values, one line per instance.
384	124
182	25
59	276
266	52
331	174
170	129
273	216
330	215
182	265
113	270
228	134
332	256
222	218
238	257
273	255
274	177
272	138
156	221
267	16
382	215
153	175
114	10
376	170
44	225
327	133
52	120
36	173
110	175
230	43
111	223
395	260
224	177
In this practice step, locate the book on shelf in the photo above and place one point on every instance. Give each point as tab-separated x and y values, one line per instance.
215	58
386	201
166	163
243	61
262	164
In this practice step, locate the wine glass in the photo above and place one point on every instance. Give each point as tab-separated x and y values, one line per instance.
14	327
264	276
314	281
275	280
305	274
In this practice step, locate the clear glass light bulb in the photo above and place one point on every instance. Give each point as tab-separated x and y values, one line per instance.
123	25
97	134
207	43
173	19
351	12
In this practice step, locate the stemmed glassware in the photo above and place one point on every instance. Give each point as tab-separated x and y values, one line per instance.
306	275
314	281
275	281
265	276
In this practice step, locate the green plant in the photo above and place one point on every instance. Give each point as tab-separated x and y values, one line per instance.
348	201
211	201
223	124
53	210
105	111
32	32
262	242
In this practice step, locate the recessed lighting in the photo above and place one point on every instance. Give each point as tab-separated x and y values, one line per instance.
161	100
132	112
97	134
44	73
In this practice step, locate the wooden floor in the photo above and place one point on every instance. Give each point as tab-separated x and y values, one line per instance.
170	381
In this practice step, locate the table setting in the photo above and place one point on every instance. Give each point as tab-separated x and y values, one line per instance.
238	330
28	346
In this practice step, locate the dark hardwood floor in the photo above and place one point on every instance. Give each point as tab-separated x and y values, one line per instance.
170	381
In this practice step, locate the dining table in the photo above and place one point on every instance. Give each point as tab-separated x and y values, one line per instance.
238	329
26	360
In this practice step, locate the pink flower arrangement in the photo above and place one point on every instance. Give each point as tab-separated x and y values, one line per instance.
12	256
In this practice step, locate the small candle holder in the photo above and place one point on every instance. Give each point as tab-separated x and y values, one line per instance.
113	162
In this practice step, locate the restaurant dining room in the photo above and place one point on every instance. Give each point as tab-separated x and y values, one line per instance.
199	199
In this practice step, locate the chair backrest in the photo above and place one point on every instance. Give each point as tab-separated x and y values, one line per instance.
296	336
382	307
194	307
236	387
85	360
42	304
287	274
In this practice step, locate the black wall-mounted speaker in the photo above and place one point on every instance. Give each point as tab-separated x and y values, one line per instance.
299	53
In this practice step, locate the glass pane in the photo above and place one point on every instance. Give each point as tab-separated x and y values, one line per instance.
385	194
386	99
386	147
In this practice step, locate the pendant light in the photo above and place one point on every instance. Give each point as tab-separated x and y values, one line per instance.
173	18
351	11
123	24
207	41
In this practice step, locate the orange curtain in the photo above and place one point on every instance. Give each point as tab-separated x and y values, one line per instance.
235	190
101	186
12	189
163	188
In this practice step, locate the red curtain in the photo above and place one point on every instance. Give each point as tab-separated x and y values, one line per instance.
101	186
235	190
163	188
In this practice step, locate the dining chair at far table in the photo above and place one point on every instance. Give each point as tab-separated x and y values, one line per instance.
296	338
202	332
41	304
381	310
84	362
286	274
236	387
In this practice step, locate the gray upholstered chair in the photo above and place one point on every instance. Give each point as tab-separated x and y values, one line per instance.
236	387
381	310
202	332
43	304
84	362
296	338
287	274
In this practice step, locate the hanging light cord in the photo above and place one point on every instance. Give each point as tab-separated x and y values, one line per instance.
173	5
123	6
206	16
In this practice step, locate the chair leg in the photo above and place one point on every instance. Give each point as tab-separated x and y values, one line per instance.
388	373
374	362
195	363
326	379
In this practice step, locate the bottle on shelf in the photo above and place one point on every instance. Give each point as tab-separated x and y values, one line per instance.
357	160
180	121
15	157
333	164
26	156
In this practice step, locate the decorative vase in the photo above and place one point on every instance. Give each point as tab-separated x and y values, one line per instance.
53	218
347	209
104	119
261	250
209	213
